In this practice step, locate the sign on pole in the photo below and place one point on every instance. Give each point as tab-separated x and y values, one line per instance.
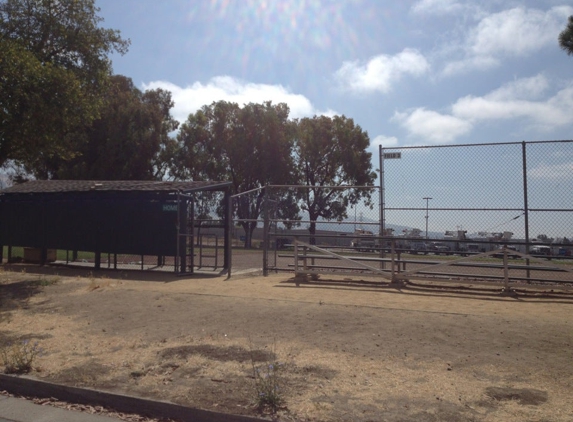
391	155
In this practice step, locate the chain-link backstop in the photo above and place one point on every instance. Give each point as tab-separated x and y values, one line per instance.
434	205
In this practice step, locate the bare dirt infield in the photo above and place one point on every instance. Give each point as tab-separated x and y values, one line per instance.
349	351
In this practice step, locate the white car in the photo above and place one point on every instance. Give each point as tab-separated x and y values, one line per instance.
540	250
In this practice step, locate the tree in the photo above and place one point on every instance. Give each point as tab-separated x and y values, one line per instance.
53	68
129	141
544	238
566	37
331	152
39	105
249	146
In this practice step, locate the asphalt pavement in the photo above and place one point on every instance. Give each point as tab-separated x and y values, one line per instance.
21	410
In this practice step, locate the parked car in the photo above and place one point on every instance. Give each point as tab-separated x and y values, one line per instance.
418	247
540	250
564	252
439	248
364	241
509	254
475	248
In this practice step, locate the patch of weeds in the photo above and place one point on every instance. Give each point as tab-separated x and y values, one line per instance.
268	386
48	281
98	283
19	358
270	381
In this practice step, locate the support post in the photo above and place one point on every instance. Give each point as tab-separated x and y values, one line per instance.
228	224
97	264
266	232
227	232
382	205
525	206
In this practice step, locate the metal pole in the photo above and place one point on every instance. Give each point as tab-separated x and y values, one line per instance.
229	225
427	198
266	233
382	205
176	260
382	192
525	205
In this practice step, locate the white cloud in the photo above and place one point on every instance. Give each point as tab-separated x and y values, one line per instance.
524	88
437	7
432	126
552	171
517	31
381	72
514	32
385	141
470	64
520	100
191	98
515	101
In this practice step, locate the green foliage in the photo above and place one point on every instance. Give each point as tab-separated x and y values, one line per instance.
18	358
53	67
250	146
129	141
39	104
332	152
566	37
257	145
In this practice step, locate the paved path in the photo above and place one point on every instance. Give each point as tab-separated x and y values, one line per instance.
20	410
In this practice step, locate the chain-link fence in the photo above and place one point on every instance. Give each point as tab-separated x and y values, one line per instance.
519	192
434	205
325	216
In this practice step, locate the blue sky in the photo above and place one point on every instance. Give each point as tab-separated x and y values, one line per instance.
408	72
427	72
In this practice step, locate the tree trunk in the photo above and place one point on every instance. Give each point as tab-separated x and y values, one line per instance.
312	232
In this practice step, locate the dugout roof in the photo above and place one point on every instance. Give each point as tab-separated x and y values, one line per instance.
71	186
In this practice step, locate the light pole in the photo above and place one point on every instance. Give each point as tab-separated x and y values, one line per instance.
427	198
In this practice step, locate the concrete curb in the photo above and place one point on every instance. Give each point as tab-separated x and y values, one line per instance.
27	386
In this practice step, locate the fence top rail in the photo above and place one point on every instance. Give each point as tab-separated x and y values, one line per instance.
326	186
479	145
307	187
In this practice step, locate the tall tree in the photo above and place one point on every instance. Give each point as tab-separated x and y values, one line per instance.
566	37
250	146
331	152
53	67
39	105
128	141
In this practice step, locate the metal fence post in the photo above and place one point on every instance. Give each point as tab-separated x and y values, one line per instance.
266	232
229	224
525	205
382	193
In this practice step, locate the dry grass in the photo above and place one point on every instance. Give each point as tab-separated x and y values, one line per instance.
349	353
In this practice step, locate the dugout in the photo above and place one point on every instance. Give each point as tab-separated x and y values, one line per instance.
144	218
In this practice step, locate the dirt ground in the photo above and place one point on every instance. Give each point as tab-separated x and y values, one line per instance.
348	350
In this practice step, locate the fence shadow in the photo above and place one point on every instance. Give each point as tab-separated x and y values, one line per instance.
119	274
531	294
